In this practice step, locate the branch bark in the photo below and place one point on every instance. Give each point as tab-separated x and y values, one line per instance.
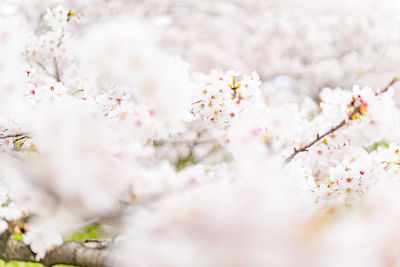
89	253
12	135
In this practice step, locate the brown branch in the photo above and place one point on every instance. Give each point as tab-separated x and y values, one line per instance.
393	81
89	254
47	71
57	70
318	138
12	135
57	74
356	110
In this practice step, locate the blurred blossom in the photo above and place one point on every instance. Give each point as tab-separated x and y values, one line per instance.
171	123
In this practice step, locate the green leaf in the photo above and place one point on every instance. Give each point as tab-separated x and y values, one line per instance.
22	264
18	145
70	13
375	146
26	264
89	232
17	236
186	161
5	204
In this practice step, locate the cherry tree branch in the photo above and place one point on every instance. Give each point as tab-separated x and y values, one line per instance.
57	70
318	138
89	253
12	135
356	110
47	71
393	81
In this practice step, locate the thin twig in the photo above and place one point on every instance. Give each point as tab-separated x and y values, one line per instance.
57	74
57	70
319	137
393	81
305	147
46	70
21	138
12	135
